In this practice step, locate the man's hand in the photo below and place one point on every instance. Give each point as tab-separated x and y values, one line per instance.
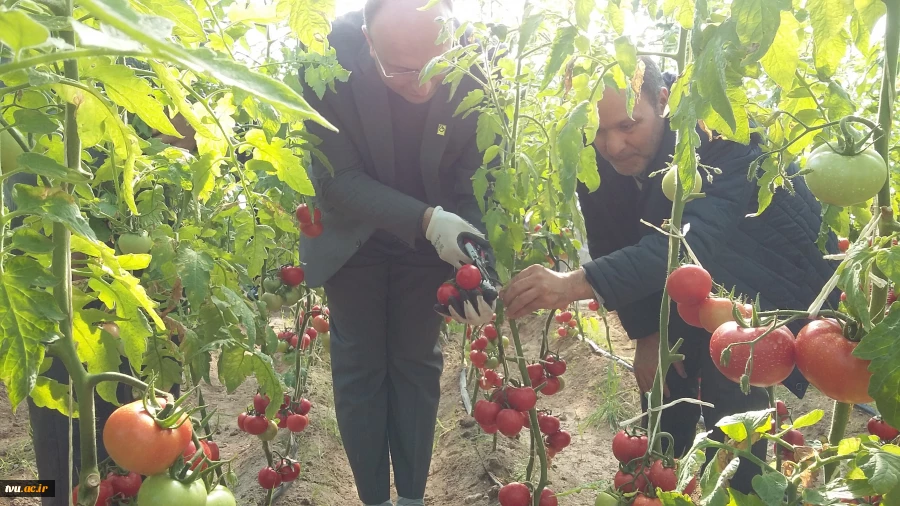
443	230
470	308
537	287
646	359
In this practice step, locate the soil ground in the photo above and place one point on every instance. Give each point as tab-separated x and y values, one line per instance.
465	468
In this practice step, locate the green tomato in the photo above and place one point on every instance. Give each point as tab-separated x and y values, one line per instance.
468	347
668	183
282	347
161	489
605	499
270	432
271	284
292	296
220	496
562	383
505	342
492	363
9	152
273	301
844	180
492	345
135	244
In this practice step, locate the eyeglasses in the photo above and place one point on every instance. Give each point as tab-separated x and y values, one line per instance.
405	74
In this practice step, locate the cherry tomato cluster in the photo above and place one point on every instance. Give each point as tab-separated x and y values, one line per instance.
285	471
282	288
484	353
518	494
568	325
118	486
642	474
292	415
878	427
310	222
466	286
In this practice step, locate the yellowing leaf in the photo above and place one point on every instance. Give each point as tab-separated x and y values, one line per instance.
51	394
286	164
168	78
782	58
309	20
252	13
188	26
587	169
18	30
134	94
827	18
683	10
99	350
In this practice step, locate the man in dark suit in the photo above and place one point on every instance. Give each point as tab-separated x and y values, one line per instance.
773	256
394	208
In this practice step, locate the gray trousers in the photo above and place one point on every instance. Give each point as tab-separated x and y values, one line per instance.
386	365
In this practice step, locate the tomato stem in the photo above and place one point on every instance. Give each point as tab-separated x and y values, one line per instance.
839	420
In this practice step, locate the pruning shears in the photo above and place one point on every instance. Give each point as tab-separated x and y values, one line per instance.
480	259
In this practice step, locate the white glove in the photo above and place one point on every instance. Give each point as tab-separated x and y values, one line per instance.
444	230
472	316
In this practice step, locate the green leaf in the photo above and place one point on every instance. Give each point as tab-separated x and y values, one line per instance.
169	78
849	445
34	122
714	481
194	268
583	10
569	145
188	26
236	364
587	169
740	499
247	317
31	241
134	94
674	499
490	153
204	172
286	164
55	205
711	82
51	394
683	10
526	30
867	14
740	425
26	321
310	20
827	18
230	73
782	58
851	274
45	166
770	487
882	468
888	261
486	131
615	16
757	21
626	55
18	30
738	98
809	419
480	186
563	46
837	101
99	350
880	346
690	464
472	99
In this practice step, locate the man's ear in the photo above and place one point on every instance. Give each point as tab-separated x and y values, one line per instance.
663	101
365	31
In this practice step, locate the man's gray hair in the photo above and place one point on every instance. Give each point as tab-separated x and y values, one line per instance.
653	79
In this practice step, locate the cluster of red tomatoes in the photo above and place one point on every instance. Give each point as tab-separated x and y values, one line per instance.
568	325
310	221
286	470
518	494
289	340
642	475
484	353
292	415
821	351
283	289
148	440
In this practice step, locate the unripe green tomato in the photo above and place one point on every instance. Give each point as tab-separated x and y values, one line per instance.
668	183
292	296
562	383
572	331
505	342
273	301
271	284
468	346
282	347
492	363
270	432
492	345
162	489
135	244
220	496
844	180
605	499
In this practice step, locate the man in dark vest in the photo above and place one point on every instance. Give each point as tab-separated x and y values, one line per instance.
773	255
394	209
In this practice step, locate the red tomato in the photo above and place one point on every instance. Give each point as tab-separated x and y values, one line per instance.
509	422
562	332
480	344
190	453
268	478
103	498
313	333
478	358
260	403
485	412
295	340
792	437
643	500
555	366
548	498
690	313
594	305
304	341
312	229
689	284
691	486
304	216
521	399
572	324
563	317
136	443
825	357
446	291
489	429
490	332
256	425
296	423
316	310
715	311
291	275
773	356
781	409
843	244
553	385
627	448
878	427
662	477
548	424
559	440
468	277
320	324
241	418
535	374
626	482
289	471
515	494
127	485
304	407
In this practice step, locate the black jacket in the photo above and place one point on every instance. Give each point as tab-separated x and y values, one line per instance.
773	255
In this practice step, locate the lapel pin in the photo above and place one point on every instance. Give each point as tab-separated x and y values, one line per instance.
442	129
